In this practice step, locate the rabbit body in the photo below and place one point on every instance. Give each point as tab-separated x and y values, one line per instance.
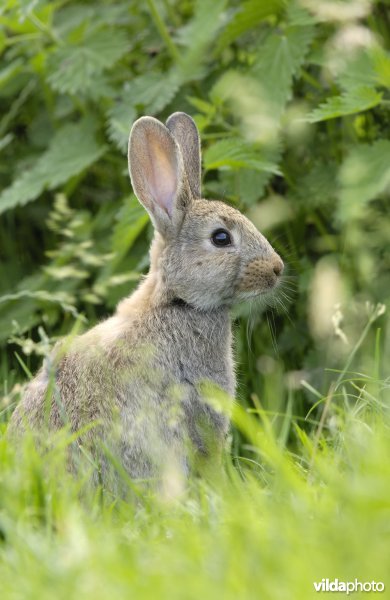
136	377
133	383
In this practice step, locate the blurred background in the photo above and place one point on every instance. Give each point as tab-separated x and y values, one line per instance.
292	102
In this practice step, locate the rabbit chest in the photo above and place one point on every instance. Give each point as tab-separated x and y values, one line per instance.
176	352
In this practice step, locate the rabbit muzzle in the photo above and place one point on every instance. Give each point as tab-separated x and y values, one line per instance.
261	275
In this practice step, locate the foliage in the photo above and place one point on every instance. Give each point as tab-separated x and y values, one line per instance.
292	101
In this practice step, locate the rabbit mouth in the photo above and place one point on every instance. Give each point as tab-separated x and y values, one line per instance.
249	288
244	295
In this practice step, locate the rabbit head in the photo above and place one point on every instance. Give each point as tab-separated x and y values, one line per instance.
205	253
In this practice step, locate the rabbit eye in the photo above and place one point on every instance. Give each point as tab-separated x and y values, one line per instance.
221	237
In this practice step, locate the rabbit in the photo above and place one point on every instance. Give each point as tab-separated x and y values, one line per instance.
133	384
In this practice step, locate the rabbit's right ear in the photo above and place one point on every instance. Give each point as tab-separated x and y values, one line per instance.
185	132
157	173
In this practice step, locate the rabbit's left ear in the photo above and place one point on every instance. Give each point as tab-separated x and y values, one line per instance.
186	134
157	173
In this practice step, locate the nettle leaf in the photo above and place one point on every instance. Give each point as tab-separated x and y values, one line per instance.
119	120
245	186
318	186
351	102
381	61
258	120
236	154
71	16
297	14
152	91
28	186
8	72
278	61
132	219
363	176
71	151
248	15
202	106
370	67
198	35
74	67
250	184
26	7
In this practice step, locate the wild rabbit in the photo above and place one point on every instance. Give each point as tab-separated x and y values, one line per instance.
137	377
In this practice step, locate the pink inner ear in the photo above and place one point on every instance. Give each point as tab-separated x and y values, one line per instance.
163	180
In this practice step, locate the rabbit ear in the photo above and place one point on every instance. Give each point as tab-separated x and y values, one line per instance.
186	134
157	173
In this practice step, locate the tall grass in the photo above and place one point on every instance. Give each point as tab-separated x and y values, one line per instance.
277	521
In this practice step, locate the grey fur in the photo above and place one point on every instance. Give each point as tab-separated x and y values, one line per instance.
138	375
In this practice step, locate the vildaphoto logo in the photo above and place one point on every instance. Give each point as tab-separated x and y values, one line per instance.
335	585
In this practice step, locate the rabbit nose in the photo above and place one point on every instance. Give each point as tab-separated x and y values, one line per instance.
278	266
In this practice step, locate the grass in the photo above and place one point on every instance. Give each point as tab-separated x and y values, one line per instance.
279	519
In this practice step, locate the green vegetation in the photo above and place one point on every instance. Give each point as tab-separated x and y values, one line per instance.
292	101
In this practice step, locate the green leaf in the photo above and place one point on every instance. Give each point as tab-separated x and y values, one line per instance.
381	61
71	151
202	106
369	67
152	91
73	15
247	185
278	61
251	185
256	114
297	14
119	120
10	71
363	176
28	186
236	154
248	15
351	102
132	218
318	186
74	67
198	35
15	308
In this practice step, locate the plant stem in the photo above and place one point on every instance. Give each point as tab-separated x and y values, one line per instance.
320	428
44	28
163	31
171	13
340	378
